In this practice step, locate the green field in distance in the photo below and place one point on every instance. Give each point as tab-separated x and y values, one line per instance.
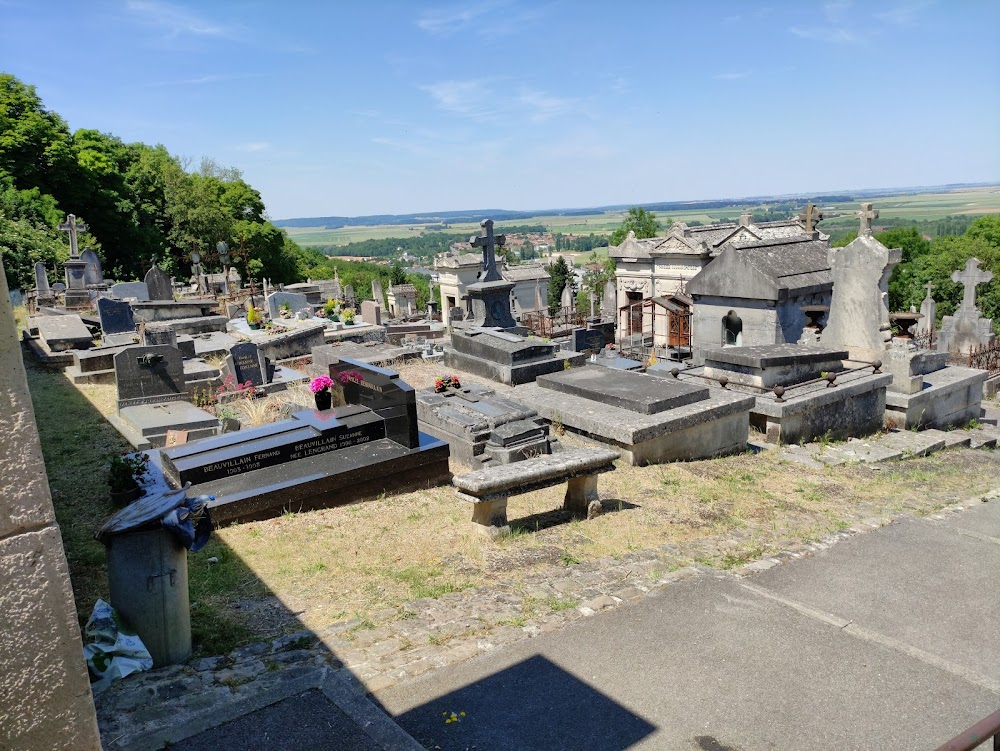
924	206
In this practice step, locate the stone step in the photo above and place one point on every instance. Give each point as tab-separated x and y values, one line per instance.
913	443
805	455
983	437
952	438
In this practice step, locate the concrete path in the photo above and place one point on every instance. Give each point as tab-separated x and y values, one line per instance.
887	640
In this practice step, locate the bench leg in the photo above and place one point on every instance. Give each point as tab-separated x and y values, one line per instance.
582	498
490	517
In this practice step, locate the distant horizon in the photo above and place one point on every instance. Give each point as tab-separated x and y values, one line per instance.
351	109
888	191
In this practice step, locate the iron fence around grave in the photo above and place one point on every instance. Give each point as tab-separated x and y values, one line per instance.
545	325
985	357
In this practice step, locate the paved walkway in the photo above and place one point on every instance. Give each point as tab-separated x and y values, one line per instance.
888	640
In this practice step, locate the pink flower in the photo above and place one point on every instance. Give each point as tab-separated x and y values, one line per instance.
320	383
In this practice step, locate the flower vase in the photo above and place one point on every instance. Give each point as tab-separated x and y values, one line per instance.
324	399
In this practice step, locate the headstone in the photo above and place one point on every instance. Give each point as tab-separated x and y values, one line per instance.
248	364
566	300
337	292
149	375
61	333
928	309
115	315
859	310
385	394
488	242
587	339
378	294
371	312
349	297
42	280
92	273
967	328
73	227
276	300
609	303
58	287
158	284
154	334
137	291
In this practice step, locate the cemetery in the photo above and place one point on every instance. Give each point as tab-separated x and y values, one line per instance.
480	444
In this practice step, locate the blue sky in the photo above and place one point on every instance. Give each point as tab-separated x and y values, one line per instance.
335	108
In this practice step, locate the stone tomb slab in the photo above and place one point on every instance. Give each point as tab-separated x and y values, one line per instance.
636	392
130	291
61	333
116	316
149	375
505	357
771	365
146	425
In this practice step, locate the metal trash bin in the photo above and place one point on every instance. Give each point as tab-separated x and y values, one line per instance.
148	574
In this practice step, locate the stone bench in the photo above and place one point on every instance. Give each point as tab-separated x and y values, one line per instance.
488	489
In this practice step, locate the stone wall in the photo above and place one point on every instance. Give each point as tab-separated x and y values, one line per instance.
760	323
45	699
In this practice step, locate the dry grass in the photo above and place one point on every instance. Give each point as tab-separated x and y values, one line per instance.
367	559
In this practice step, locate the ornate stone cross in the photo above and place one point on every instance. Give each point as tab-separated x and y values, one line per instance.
866	215
488	242
971	277
928	287
810	217
73	227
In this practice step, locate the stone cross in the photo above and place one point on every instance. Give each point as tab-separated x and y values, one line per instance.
928	287
73	227
810	217
866	215
970	277
488	242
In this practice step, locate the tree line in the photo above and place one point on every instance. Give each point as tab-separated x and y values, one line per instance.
139	201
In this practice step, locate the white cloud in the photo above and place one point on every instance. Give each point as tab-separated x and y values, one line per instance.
476	99
830	35
200	80
541	106
735	76
174	20
468	98
456	18
905	14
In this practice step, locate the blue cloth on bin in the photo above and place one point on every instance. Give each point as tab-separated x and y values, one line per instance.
190	522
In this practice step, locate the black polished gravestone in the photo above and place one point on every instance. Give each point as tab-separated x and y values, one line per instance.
149	375
382	392
587	339
247	363
116	316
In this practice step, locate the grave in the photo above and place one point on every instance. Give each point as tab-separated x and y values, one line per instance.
309	290
372	353
117	322
60	333
505	357
76	294
294	300
246	362
649	419
480	425
925	391
43	293
137	291
93	274
801	393
158	284
378	294
859	311
152	399
371	312
315	458
967	329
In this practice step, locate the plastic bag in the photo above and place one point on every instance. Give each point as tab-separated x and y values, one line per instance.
190	522
114	650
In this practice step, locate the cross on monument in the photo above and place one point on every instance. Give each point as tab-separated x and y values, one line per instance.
810	216
866	215
971	276
488	242
928	287
73	227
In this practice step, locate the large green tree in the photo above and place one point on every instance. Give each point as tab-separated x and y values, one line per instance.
638	220
560	275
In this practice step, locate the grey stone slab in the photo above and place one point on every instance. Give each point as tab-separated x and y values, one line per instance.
773	355
538	471
147	375
41	280
61	333
93	273
636	392
158	284
156	419
130	291
296	301
702	664
116	316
